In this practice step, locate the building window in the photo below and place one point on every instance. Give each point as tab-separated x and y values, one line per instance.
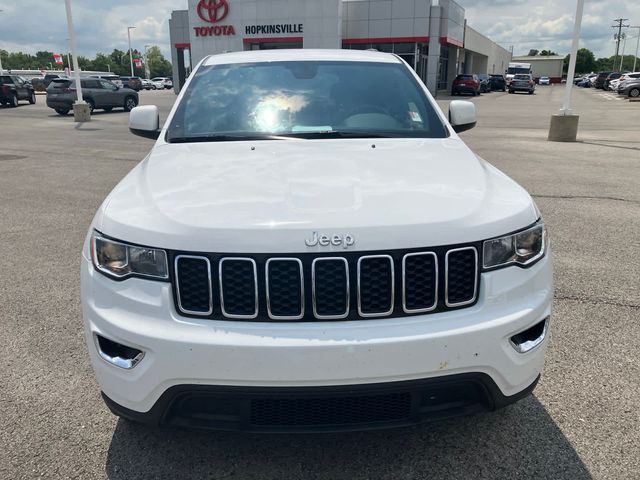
443	68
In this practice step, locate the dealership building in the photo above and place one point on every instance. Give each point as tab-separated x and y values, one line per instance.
430	35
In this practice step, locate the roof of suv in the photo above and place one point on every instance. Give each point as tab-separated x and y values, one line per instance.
300	55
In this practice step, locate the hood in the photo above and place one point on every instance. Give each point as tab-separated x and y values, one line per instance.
269	196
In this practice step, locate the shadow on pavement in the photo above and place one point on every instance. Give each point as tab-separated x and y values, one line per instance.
521	441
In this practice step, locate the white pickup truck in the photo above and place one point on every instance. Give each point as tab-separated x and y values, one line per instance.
310	246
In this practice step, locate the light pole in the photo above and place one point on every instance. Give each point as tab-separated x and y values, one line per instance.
635	59
564	127
624	46
1	70
81	110
130	51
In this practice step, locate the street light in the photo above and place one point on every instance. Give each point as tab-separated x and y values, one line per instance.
130	51
1	70
81	109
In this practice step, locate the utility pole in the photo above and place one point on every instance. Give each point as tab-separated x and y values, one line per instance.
624	47
619	26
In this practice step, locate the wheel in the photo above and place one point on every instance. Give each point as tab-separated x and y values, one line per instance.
13	101
107	109
130	103
154	87
32	98
92	105
634	92
453	93
62	111
510	91
530	92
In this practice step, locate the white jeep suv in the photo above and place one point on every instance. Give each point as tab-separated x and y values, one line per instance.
310	246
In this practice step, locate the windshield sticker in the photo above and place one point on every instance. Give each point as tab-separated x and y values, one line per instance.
415	117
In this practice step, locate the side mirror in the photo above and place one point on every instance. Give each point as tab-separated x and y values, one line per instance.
462	115
145	121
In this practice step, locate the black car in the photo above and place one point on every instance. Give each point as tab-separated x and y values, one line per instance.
14	88
602	77
134	83
497	82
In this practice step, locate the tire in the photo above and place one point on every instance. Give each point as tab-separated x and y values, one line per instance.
154	87
510	91
107	109
530	92
634	92
32	98
62	111
130	103
13	101
92	105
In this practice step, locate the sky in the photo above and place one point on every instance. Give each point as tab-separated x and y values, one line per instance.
101	25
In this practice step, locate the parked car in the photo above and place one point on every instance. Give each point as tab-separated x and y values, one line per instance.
584	82
52	76
134	83
522	82
611	76
600	79
238	280
630	88
466	83
115	79
497	82
163	82
615	84
544	81
14	88
98	93
485	87
38	83
148	84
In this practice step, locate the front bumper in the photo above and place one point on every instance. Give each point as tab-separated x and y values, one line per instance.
180	353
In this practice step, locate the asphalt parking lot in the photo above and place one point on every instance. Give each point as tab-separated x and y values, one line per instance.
583	420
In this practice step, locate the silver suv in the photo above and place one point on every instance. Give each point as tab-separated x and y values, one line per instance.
98	93
522	82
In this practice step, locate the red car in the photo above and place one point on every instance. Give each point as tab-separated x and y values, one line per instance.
466	83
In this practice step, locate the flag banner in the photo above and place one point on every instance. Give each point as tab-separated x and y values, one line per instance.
57	58
137	63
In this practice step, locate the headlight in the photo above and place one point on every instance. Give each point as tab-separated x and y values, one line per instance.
523	248
119	260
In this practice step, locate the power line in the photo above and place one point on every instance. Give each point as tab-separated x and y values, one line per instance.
619	26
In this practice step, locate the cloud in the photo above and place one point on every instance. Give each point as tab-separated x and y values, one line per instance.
548	24
101	26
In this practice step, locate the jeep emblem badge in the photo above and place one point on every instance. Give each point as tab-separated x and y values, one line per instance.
346	240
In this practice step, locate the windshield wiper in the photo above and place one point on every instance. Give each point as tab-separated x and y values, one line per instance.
339	134
221	138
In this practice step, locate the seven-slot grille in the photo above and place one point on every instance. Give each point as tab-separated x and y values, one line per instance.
314	287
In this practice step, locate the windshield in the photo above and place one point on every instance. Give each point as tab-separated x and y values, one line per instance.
513	70
521	77
303	99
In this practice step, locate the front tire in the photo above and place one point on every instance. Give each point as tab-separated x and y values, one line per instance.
92	105
32	98
634	92
13	101
62	111
130	103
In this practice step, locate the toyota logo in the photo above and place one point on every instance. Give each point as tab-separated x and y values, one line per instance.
212	11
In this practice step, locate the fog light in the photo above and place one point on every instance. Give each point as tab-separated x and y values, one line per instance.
117	354
530	338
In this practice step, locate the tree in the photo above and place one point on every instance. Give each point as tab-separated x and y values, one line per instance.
547	53
585	61
532	53
158	65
